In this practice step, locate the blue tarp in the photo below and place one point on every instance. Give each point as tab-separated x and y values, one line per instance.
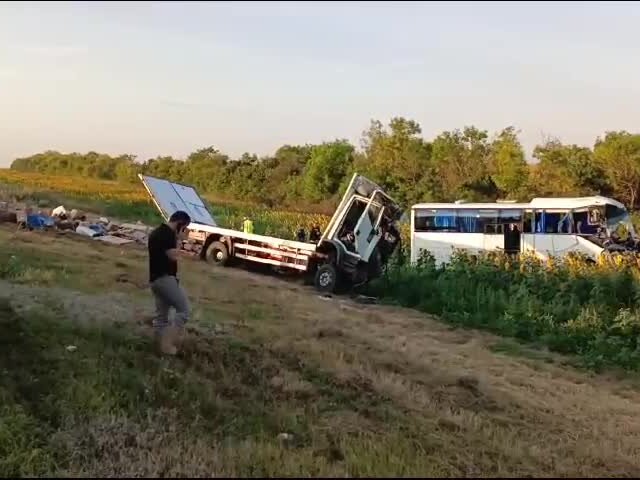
38	221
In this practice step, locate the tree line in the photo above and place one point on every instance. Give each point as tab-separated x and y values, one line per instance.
466	163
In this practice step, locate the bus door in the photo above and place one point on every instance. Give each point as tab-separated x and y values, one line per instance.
511	222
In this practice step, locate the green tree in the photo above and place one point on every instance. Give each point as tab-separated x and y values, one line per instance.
126	169
509	169
618	155
327	166
286	173
398	159
461	162
568	170
164	167
205	169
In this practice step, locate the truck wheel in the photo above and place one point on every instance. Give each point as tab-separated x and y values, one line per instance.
218	253
326	278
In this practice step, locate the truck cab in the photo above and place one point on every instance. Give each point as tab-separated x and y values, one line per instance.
360	237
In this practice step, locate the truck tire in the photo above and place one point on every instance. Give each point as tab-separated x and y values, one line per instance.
326	278
218	253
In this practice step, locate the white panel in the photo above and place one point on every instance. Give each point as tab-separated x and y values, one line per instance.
171	197
441	244
493	241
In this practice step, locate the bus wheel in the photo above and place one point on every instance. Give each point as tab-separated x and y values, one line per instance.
218	253
326	278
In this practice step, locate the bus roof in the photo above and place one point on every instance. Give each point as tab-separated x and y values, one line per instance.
537	203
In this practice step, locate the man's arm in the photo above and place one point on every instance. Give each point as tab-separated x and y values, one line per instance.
171	248
172	253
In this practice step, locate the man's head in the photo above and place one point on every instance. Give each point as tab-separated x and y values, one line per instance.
179	221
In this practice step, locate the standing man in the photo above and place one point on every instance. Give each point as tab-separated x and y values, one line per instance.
163	275
247	225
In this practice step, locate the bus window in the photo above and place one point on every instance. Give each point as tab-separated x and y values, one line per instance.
510	216
582	225
489	221
527	226
431	220
554	222
477	221
541	223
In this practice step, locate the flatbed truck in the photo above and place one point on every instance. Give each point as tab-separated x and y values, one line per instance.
354	247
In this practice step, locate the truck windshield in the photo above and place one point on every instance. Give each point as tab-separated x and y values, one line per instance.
618	219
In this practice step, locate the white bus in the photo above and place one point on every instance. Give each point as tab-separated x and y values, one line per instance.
545	226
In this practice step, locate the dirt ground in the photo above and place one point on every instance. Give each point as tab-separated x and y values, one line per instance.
394	391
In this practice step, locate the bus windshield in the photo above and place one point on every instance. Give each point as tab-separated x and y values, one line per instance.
616	218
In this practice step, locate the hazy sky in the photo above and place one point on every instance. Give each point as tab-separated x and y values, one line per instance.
167	78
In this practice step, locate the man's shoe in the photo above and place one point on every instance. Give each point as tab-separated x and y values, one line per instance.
178	337
167	341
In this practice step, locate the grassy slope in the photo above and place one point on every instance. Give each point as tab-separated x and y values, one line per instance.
363	390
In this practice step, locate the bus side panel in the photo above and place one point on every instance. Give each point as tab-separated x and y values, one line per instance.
545	245
442	244
529	242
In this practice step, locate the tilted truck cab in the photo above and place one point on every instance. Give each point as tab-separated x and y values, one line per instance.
356	243
359	238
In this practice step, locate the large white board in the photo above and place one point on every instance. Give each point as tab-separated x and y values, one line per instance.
171	197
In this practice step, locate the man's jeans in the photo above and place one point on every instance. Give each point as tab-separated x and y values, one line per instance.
168	293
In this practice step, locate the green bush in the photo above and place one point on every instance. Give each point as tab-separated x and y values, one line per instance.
572	306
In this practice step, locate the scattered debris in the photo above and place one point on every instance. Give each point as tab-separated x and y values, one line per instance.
87	231
112	239
59	211
38	221
63	220
135	226
8	217
76	215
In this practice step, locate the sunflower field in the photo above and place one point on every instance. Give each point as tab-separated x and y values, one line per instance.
570	306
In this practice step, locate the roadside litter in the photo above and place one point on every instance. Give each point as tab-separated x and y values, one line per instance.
73	221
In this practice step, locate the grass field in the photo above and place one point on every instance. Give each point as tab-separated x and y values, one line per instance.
356	390
571	307
276	381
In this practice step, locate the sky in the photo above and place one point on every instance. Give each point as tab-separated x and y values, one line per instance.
163	78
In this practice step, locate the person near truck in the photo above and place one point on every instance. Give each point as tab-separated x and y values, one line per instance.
315	235
247	225
165	286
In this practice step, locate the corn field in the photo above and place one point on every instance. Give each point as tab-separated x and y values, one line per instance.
131	201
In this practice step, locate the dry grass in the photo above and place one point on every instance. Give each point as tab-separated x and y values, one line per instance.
364	390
